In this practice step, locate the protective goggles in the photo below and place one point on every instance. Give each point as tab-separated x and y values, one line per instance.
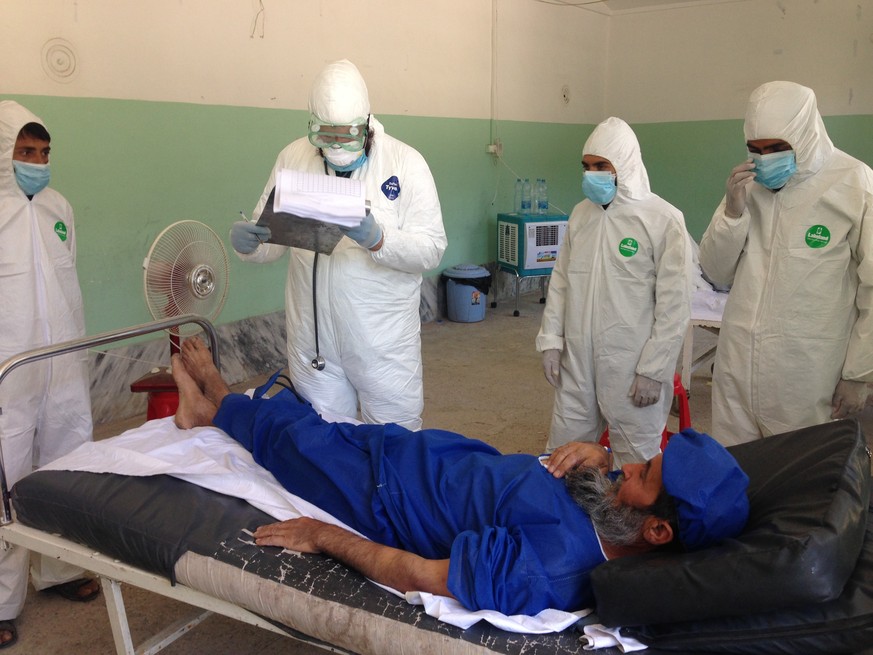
351	136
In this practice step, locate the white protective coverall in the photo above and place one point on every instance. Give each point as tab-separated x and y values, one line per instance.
618	305
798	317
46	405
369	330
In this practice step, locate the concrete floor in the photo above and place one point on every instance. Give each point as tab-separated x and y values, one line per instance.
481	379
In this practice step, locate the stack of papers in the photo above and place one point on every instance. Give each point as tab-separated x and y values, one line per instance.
336	200
288	229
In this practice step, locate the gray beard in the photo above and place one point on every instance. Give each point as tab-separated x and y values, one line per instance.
615	523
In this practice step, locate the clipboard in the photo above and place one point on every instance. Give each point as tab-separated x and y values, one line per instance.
297	231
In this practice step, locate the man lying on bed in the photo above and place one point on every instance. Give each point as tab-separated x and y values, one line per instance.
454	517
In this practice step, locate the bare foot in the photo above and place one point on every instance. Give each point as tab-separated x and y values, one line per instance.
197	358
194	409
198	363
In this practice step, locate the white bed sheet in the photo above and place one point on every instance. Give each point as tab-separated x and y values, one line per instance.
707	305
209	458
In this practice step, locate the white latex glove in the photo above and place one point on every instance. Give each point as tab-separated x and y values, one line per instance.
849	398
245	236
552	366
644	391
368	234
740	179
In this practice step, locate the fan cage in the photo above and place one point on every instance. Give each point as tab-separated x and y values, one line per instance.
186	272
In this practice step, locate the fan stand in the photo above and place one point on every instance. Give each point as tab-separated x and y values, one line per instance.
163	395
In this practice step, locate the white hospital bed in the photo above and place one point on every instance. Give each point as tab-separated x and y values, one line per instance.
801	574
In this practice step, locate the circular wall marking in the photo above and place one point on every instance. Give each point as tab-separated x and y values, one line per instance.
59	60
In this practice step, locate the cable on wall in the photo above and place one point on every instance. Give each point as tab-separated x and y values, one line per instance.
258	21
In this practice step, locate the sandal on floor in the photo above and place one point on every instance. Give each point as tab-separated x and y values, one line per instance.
8	626
70	590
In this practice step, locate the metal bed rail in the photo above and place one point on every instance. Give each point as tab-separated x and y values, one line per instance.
83	343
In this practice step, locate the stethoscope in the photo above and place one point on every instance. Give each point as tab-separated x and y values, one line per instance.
318	361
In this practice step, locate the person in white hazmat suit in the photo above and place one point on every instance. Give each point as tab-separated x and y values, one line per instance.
365	325
618	305
794	237
46	406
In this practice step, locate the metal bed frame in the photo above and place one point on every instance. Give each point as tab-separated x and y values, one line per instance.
112	572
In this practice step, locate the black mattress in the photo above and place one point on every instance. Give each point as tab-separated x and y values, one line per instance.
809	497
150	522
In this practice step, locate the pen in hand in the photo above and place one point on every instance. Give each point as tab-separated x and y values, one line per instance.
246	219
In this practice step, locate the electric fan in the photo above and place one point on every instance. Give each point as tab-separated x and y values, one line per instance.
185	272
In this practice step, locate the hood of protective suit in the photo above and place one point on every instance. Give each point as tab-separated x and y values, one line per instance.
12	118
339	94
788	111
614	140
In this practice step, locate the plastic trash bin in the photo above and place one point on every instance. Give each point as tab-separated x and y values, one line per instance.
467	287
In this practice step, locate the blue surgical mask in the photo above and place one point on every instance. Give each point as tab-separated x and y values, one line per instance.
32	178
774	169
599	186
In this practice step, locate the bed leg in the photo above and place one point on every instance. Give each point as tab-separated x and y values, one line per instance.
117	616
121	628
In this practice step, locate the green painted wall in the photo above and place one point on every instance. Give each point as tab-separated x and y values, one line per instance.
131	168
688	163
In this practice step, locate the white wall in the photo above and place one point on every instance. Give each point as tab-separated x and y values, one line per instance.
227	52
507	59
419	57
541	48
700	62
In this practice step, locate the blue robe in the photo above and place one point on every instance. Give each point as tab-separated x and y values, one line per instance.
515	540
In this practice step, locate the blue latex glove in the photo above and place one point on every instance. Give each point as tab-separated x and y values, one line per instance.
368	234
245	237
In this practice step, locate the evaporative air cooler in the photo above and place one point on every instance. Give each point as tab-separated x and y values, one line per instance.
528	245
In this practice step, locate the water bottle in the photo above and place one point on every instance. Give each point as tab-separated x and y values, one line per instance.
542	196
517	206
535	196
525	196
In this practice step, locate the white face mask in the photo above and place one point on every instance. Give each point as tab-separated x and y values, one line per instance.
341	157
